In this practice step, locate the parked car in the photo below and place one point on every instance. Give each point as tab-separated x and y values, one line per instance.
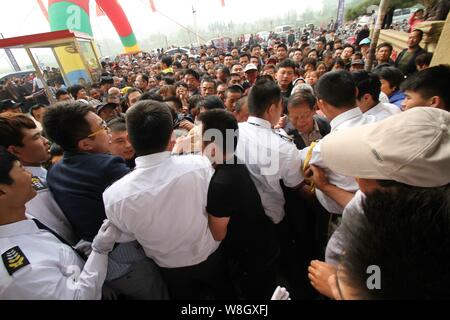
283	29
401	14
172	52
18	74
282	32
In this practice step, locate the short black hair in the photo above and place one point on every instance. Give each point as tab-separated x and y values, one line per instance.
130	91
65	124
287	63
406	234
420	33
11	128
168	80
424	59
357	55
56	150
7	161
337	88
167	60
312	50
209	80
339	62
311	61
194	100
211	102
181	84
282	45
193	73
151	95
223	121
117	124
255	46
367	83
348	45
75	89
392	75
60	92
106	80
302	97
244	54
240	103
150	126
385	44
144	77
262	95
225	69
434	81
37	107
234	89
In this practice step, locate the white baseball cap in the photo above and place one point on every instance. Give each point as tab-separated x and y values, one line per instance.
412	147
249	67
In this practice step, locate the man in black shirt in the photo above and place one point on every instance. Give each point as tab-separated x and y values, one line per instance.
235	211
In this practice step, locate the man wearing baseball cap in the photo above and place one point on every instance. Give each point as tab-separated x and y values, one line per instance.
407	151
107	111
364	46
356	65
251	73
9	105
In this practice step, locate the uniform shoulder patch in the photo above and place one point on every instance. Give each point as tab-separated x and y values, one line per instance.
14	260
38	184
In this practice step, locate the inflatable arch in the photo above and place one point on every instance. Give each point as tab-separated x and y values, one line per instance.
74	15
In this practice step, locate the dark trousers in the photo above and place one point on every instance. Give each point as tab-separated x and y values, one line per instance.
305	237
142	282
206	280
257	281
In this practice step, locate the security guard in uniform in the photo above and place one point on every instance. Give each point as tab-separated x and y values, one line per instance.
35	261
21	137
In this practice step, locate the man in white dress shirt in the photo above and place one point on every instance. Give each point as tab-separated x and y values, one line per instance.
270	155
35	262
162	205
336	92
368	98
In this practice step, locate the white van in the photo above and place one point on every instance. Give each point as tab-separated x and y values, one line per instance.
283	29
401	15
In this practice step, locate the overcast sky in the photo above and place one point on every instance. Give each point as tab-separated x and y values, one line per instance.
20	17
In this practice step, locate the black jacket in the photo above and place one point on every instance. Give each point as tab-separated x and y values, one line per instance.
411	66
78	182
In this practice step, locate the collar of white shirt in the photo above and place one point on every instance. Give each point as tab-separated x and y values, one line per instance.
38	172
152	160
259	122
18	228
344	117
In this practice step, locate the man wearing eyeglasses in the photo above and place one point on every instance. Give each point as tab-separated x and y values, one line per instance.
78	182
86	169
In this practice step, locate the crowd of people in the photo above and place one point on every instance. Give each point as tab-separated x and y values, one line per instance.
227	174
